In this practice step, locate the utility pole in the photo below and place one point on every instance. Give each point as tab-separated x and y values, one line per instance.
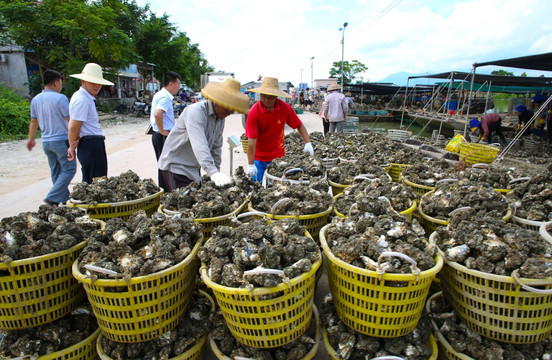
342	52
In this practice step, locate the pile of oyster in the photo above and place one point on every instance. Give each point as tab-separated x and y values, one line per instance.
485	242
209	200
297	166
43	232
280	245
48	338
399	195
450	196
293	199
194	325
233	349
140	246
125	187
427	172
532	199
349	344
468	342
374	228
346	171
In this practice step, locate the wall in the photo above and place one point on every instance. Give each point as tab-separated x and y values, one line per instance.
13	70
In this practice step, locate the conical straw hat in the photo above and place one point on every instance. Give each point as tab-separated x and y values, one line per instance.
227	94
270	86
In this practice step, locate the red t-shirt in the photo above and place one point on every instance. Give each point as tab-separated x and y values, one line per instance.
268	128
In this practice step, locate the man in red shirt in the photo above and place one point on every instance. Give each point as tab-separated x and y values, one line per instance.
264	128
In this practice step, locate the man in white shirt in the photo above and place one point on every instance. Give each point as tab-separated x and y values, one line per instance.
162	116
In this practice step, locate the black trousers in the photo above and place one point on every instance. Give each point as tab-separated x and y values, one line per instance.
92	157
158	141
496	127
326	126
175	181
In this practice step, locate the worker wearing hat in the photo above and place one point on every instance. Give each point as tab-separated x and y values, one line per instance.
195	142
85	135
486	125
265	128
524	116
545	116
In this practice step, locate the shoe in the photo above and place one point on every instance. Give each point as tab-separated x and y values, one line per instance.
51	203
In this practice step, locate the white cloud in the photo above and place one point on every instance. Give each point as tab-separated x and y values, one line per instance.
278	39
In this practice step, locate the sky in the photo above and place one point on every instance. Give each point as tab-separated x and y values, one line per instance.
279	38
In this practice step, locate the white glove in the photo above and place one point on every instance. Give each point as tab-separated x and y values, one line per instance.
251	170
308	149
221	179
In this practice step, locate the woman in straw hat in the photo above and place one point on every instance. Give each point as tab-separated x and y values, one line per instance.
265	128
195	142
85	135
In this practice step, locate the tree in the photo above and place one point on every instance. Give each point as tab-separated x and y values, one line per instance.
502	73
350	70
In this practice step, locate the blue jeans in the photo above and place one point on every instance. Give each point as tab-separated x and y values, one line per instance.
336	127
261	168
62	171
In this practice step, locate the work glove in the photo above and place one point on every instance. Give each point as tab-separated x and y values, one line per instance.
251	170
482	138
308	149
221	179
518	127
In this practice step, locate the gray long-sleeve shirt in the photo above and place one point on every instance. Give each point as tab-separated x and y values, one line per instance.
195	142
337	106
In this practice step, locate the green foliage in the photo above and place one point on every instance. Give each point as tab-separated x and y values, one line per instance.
35	84
502	73
14	115
350	70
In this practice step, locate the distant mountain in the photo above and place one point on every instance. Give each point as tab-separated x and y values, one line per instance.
401	77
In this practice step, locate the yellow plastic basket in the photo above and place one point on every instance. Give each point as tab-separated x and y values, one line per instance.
84	350
408	212
39	290
419	189
313	223
311	354
267	317
145	307
337	188
481	153
496	306
208	224
431	343
121	209
245	144
446	351
386	306
395	170
193	353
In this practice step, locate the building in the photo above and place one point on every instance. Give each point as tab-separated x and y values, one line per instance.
284	86
13	69
324	83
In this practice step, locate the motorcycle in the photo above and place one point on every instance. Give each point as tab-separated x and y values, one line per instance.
142	106
178	107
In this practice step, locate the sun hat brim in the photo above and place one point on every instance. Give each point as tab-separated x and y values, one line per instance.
334	87
270	91
227	96
92	79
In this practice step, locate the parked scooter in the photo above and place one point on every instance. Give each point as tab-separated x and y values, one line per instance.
142	106
178	107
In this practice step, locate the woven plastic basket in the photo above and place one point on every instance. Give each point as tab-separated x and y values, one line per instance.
419	189
337	188
395	170
334	356
272	180
446	351
311	354
329	163
193	353
209	223
121	209
408	212
145	307
387	305
313	223
84	350
244	143
39	290
481	153
498	307
267	317
544	232
398	135
528	224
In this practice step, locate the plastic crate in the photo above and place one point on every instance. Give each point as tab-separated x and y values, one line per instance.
84	350
193	353
408	212
121	209
398	135
479	153
245	144
311	354
498	307
386	305
145	307
313	222
395	170
39	290
329	163
267	317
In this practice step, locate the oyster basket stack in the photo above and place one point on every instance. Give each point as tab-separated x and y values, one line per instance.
478	153
141	308
398	135
123	209
380	305
311	354
502	308
193	353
